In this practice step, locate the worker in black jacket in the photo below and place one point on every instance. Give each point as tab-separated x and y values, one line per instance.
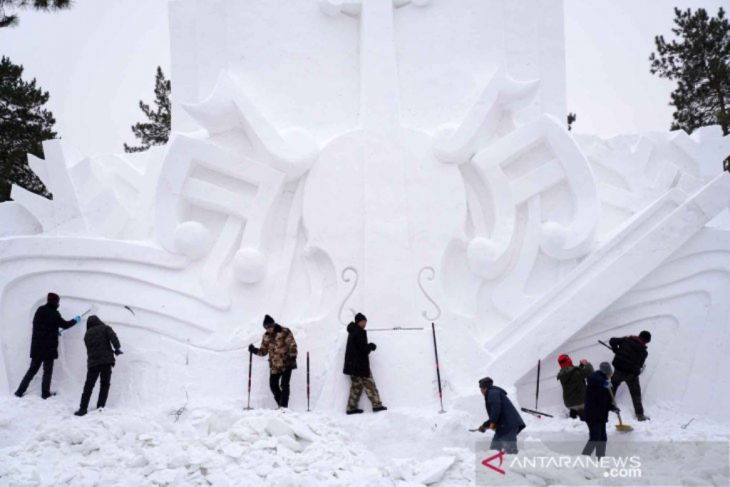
504	419
595	411
47	324
102	345
357	366
631	354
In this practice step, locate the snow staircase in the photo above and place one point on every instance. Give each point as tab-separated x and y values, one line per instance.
610	272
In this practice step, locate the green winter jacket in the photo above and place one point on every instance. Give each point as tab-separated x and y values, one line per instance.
573	380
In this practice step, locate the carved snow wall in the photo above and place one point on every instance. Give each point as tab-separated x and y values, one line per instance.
403	158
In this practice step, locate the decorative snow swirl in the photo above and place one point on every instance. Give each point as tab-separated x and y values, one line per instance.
420	284
349	295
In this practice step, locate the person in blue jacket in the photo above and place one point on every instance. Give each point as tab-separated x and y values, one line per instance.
595	411
504	419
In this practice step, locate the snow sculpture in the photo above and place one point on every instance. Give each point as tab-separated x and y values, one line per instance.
403	158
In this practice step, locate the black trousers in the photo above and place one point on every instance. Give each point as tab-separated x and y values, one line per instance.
597	439
92	374
506	441
35	365
634	388
281	392
576	413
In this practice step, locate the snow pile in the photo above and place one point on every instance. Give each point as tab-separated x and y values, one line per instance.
45	445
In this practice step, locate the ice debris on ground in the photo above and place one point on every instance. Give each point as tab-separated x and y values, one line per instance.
43	444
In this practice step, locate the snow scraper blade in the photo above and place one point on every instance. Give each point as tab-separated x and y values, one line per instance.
621	426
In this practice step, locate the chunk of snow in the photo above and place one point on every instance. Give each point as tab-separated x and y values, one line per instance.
434	470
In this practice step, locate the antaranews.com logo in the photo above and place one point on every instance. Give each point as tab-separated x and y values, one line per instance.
615	467
625	463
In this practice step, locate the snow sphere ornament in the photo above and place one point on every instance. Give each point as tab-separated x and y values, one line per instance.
482	255
249	265
193	240
554	237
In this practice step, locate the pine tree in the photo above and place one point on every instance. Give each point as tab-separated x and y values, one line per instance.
24	125
8	17
699	61
572	117
157	130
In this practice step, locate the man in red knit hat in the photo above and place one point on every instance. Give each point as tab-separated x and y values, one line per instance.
573	380
44	345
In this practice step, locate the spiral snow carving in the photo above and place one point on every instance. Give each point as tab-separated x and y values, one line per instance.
332	156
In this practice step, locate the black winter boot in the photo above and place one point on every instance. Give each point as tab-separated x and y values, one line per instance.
355	411
80	412
379	408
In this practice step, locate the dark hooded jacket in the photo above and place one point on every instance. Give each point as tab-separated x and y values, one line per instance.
101	341
502	412
573	380
46	324
598	399
630	353
357	353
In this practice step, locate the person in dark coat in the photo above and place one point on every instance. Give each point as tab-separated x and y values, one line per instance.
598	403
573	381
102	345
631	353
357	366
504	419
281	347
47	324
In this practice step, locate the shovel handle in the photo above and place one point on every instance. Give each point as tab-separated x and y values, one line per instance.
613	401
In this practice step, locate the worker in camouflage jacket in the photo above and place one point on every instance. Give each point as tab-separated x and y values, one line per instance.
279	344
573	381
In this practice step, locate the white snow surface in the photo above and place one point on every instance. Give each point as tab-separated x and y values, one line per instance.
42	443
406	159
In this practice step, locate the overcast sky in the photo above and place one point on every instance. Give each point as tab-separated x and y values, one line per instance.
98	60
